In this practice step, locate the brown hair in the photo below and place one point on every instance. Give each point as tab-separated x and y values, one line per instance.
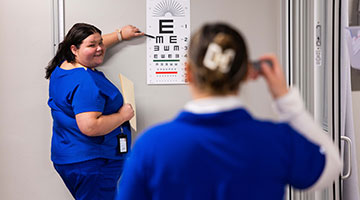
216	81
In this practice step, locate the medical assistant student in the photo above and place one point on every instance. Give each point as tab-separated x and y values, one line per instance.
214	149
89	115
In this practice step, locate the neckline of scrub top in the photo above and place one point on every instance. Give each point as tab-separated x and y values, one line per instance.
213	104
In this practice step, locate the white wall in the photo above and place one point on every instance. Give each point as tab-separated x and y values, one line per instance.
26	171
25	122
356	115
259	21
355	84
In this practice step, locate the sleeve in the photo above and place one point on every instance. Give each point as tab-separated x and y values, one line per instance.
133	183
307	161
87	97
291	109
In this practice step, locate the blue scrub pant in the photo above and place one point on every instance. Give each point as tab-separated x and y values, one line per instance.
93	179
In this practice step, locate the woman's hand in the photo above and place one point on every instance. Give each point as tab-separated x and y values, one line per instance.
274	76
129	31
126	111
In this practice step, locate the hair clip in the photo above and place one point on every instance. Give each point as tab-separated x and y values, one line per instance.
217	59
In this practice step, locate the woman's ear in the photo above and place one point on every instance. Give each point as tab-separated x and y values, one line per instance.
188	75
252	73
74	49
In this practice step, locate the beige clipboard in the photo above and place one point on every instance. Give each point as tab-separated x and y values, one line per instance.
128	92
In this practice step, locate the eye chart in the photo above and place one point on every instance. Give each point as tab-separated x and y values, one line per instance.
169	22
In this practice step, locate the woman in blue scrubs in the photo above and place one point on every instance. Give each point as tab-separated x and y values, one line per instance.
91	133
215	149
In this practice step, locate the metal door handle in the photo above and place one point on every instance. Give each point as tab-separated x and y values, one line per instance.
348	141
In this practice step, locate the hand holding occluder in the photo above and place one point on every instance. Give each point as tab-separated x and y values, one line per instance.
274	76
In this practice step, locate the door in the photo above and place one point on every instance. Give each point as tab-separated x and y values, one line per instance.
311	50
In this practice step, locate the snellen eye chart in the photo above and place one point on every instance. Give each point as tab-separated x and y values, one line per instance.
169	22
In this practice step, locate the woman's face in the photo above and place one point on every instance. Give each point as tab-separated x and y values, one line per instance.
91	52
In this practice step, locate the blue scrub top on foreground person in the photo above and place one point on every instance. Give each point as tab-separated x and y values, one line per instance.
89	114
215	149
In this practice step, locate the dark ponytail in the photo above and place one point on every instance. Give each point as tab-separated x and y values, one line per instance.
75	36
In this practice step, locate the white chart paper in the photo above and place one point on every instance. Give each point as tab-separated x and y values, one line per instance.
169	22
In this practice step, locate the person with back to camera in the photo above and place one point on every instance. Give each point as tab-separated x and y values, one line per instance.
89	116
214	149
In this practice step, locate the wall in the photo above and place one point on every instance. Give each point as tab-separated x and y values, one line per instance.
25	122
156	103
356	115
25	37
355	82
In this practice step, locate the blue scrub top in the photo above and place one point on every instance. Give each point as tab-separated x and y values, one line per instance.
224	156
82	90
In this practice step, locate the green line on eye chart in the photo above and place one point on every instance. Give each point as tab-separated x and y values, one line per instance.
166	60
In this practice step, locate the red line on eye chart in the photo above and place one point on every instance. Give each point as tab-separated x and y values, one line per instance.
166	72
